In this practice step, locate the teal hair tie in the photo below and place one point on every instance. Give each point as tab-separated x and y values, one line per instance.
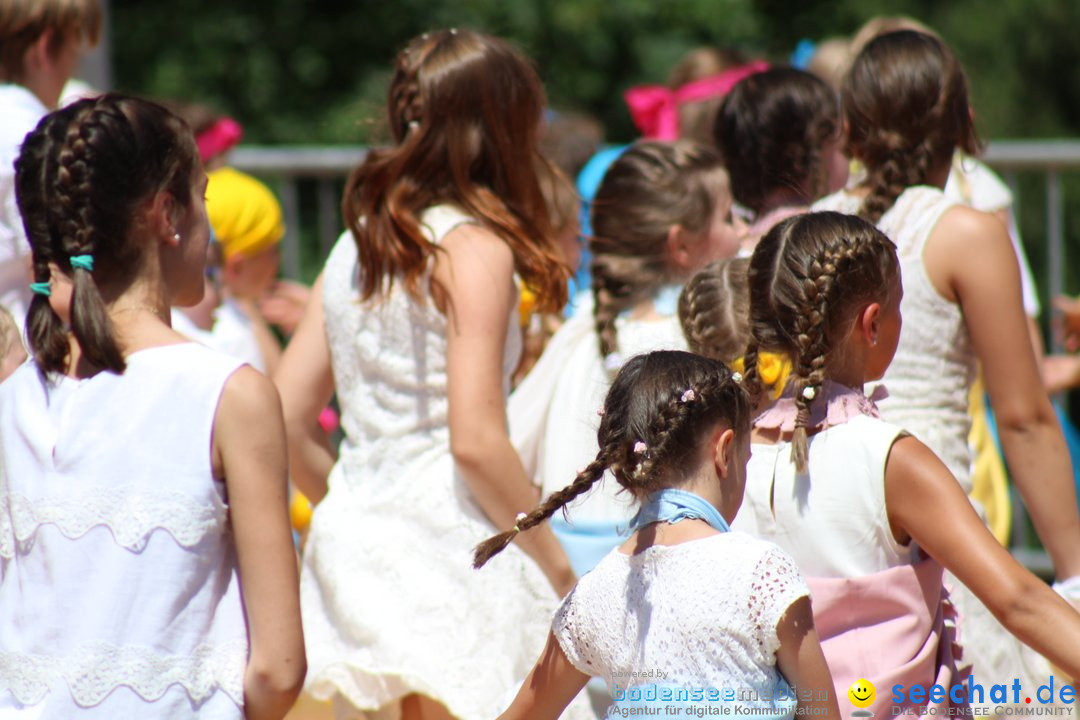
41	288
85	262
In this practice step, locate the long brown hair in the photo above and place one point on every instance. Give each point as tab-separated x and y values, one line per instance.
656	413
649	189
464	111
808	277
80	179
906	103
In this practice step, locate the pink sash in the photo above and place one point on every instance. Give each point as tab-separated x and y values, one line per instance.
895	627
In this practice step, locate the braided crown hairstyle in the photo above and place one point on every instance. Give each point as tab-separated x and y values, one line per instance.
80	179
714	310
906	103
665	401
809	277
649	189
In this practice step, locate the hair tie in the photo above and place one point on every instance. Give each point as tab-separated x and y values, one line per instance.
83	262
736	377
517	521
688	396
640	448
41	288
809	392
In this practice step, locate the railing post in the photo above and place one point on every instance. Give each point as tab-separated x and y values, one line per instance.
290	246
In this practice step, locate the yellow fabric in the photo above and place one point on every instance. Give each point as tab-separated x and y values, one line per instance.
526	304
773	369
990	482
245	215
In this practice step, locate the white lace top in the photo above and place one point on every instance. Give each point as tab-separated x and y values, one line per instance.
934	367
119	596
701	614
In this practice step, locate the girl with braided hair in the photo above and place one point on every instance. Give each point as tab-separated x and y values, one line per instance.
869	512
662	212
146	559
413	322
906	105
702	608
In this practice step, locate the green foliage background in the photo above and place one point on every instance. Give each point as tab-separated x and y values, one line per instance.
315	72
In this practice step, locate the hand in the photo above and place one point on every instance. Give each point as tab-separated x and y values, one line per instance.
1061	372
284	305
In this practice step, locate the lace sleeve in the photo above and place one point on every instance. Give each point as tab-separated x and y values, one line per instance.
572	632
776	584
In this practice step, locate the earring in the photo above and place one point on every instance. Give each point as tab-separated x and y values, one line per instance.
176	237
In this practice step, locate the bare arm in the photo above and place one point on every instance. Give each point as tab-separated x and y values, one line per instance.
477	272
549	687
306	383
802	661
986	284
249	447
925	502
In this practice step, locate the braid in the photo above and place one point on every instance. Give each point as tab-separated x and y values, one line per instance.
35	172
610	297
812	348
76	220
581	484
668	424
751	377
665	399
899	171
714	309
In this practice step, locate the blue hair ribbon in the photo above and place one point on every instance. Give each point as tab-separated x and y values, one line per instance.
84	262
41	288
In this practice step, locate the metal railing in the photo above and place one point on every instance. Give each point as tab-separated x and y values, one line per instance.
327	167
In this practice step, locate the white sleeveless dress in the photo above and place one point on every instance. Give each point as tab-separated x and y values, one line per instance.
119	594
390	601
928	383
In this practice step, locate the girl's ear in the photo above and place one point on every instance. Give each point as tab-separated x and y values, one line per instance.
868	321
163	217
680	247
723	443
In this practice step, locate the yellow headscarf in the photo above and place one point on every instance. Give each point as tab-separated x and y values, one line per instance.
245	215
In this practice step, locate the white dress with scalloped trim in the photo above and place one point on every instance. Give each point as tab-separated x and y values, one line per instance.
391	603
119	593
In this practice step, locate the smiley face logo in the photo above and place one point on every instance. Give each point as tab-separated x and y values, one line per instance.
861	693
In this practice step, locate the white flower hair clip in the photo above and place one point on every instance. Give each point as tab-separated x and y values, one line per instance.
809	392
640	448
517	521
737	377
600	411
688	396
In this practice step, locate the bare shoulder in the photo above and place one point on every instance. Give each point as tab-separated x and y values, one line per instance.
248	394
474	239
962	225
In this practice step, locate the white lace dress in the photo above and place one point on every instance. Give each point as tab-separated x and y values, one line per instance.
390	601
119	593
698	615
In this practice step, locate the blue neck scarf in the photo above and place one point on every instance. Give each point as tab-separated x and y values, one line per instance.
671	506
